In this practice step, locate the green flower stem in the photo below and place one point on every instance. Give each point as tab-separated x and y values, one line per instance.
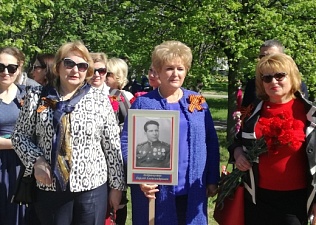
231	181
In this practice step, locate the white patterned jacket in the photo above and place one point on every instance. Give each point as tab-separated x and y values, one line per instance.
95	140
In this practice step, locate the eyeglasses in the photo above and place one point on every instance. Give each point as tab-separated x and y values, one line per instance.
261	56
278	76
35	67
69	64
12	68
101	71
109	74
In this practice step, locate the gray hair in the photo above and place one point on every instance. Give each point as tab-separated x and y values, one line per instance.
273	43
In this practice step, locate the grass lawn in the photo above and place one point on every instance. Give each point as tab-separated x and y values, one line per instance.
218	107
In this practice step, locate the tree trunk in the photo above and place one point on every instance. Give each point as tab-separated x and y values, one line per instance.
232	105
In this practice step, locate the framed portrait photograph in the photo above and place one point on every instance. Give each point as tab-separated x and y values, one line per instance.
153	142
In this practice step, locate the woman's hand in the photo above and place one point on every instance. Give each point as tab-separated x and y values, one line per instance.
149	190
313	215
241	161
211	190
115	197
42	171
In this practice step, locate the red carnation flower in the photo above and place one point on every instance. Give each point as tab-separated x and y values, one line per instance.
280	130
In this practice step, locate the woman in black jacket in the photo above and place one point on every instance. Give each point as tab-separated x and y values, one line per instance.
278	182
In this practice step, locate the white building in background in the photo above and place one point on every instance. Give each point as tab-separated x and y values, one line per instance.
222	66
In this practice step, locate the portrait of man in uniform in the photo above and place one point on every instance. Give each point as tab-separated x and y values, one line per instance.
153	152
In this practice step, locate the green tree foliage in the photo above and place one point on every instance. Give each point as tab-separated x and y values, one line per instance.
43	25
224	28
229	29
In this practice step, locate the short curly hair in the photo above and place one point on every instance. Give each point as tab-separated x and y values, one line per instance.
168	51
119	68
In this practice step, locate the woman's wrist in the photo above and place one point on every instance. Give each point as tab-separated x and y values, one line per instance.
40	161
237	152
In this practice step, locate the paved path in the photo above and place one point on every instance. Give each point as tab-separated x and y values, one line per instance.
213	95
220	125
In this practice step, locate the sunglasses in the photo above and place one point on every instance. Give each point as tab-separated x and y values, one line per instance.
12	68
261	56
278	76
109	74
35	67
69	64
101	71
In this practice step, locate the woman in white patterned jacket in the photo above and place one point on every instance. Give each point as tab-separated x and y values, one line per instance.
68	136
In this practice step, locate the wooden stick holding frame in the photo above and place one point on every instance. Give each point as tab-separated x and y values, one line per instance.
165	148
152	211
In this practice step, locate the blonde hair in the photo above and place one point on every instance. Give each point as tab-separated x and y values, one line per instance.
168	51
278	62
119	68
78	47
99	57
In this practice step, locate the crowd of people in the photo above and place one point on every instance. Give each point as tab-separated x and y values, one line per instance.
68	127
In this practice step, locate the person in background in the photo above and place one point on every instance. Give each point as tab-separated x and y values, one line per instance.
42	69
116	77
100	71
149	83
67	134
135	86
267	48
11	96
198	174
22	78
280	186
145	84
98	80
153	79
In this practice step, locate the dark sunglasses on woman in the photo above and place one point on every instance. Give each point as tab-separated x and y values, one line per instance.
35	67
12	68
101	71
109	74
278	76
69	64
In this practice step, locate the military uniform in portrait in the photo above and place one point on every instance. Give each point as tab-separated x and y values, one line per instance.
153	154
